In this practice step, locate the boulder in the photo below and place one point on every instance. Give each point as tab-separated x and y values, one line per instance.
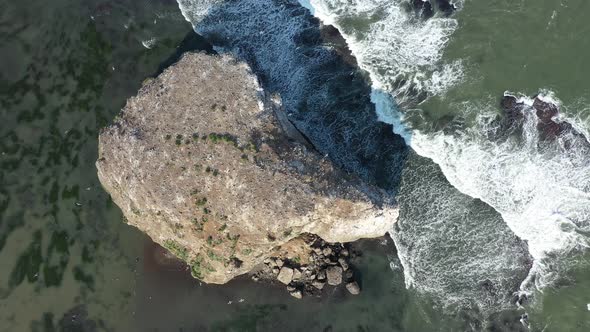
208	165
549	126
297	274
343	263
296	294
334	275
353	288
285	275
349	275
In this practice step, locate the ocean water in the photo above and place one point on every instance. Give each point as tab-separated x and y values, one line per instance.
492	233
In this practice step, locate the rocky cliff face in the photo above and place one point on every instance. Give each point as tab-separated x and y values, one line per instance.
209	167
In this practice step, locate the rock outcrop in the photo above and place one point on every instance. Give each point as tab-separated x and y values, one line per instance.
210	168
425	10
549	125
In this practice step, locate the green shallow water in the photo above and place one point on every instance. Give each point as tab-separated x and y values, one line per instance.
69	263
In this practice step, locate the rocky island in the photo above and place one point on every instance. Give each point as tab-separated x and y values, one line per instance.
209	166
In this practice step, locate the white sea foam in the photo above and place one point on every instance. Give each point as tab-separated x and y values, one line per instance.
402	53
149	43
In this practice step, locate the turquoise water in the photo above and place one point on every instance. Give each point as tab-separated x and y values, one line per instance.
68	262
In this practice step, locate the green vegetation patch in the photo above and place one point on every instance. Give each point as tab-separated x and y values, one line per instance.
226	138
176	249
196	267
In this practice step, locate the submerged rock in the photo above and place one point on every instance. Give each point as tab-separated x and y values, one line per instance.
447	7
425	10
353	288
209	167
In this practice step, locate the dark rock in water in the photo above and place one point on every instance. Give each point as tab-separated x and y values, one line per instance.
423	8
549	127
446	7
545	110
349	275
511	105
513	111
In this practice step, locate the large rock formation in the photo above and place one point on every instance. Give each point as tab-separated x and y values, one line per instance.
209	167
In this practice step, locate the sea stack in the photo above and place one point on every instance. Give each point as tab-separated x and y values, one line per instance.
209	166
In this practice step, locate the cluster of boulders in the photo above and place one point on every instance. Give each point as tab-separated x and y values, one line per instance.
326	264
